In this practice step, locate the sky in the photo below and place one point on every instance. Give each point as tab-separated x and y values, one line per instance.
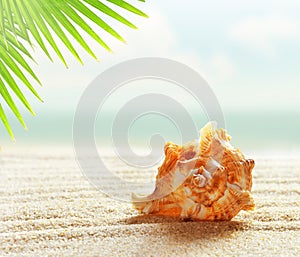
248	51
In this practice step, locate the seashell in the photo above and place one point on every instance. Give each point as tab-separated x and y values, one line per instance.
206	179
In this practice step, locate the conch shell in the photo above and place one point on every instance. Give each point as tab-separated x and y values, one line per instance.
206	179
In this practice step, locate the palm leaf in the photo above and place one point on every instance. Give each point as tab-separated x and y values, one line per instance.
26	22
6	123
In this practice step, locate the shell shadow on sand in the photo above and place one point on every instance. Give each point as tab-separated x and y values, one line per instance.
185	230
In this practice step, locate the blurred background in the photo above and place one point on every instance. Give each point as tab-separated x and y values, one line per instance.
248	51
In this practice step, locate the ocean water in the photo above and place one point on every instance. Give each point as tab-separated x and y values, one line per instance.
259	130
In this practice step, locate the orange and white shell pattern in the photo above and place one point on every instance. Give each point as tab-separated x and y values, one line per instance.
206	179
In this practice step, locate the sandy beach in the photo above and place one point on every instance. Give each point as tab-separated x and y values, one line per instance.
48	208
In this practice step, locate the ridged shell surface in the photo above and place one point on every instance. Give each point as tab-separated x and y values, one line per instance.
206	179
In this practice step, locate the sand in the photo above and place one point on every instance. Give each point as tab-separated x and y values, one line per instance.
47	208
